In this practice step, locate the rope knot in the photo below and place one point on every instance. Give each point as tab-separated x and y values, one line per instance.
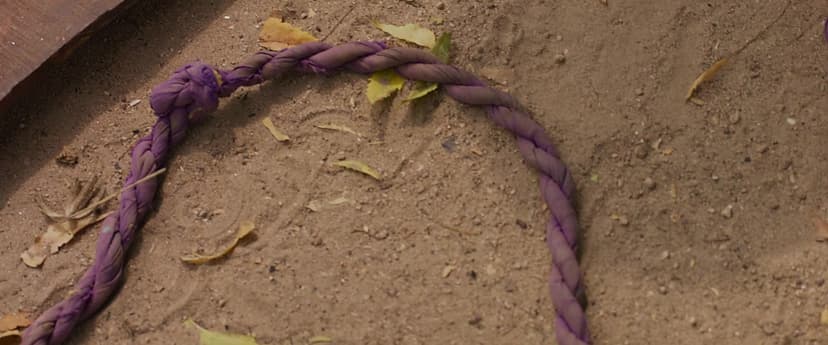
193	88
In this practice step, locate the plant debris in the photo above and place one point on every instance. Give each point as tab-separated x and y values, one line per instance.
705	76
340	128
821	229
10	327
360	167
14	321
245	229
441	51
320	339
384	83
78	214
281	137
208	337
410	33
277	35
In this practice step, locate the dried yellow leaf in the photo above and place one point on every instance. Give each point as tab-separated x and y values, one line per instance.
384	83
273	131
360	167
339	128
208	337
14	321
705	76
245	229
410	32
277	35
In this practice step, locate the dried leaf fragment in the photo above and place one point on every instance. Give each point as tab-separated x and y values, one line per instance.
823	318
340	128
410	32
360	167
245	229
208	337
821	228
277	35
384	83
320	339
14	321
268	123
441	51
705	76
78	214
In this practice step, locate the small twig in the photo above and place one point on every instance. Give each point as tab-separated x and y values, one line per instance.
763	31
114	195
341	19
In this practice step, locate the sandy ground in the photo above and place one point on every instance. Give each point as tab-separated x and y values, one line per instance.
663	262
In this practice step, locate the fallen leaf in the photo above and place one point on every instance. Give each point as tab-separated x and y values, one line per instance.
421	89
340	128
208	337
360	167
410	32
10	338
705	76
277	35
441	51
78	214
383	83
273	131
245	229
339	201
320	339
14	321
821	228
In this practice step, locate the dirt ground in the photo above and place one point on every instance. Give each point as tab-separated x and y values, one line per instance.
697	219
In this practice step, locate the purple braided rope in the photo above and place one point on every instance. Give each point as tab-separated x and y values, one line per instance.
193	91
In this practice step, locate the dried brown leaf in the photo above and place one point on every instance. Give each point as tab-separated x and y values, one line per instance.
821	228
245	229
705	76
277	35
14	321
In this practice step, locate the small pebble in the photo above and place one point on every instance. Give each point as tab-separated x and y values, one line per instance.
441	6
560	59
639	91
734	118
623	220
791	121
727	212
649	183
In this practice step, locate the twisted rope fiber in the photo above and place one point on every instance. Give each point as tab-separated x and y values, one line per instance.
193	91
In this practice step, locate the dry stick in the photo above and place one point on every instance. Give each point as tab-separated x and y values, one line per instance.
114	195
763	31
341	19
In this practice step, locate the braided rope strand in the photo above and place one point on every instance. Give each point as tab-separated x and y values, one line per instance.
193	91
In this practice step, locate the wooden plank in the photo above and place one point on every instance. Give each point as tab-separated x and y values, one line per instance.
32	32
